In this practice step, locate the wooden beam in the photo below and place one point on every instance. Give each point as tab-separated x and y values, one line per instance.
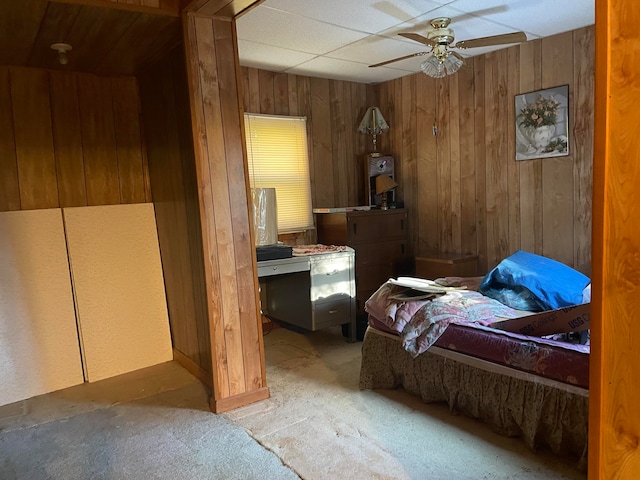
166	7
220	8
235	328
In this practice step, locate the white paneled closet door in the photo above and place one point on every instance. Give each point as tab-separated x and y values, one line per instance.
119	288
39	350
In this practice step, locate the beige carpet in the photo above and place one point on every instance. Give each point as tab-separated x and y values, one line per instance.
323	427
155	424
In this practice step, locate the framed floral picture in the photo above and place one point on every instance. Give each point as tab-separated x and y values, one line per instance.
542	123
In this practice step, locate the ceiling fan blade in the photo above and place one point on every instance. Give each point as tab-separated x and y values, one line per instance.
516	37
398	59
418	38
457	55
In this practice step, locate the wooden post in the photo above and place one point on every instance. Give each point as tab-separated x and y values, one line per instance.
237	351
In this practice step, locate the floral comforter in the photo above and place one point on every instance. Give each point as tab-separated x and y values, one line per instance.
421	322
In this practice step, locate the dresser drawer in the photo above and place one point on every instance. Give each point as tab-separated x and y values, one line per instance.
387	253
370	229
381	241
372	277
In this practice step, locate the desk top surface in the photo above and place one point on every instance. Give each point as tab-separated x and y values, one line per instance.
300	263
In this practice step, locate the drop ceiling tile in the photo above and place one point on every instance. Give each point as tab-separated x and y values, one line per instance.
540	17
268	57
464	25
339	29
324	67
375	49
379	15
281	29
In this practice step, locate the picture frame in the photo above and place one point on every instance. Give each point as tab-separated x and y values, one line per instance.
542	123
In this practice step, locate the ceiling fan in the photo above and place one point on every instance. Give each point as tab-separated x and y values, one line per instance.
442	61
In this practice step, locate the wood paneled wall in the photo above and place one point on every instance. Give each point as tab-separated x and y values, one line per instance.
463	187
169	141
614	422
69	140
162	4
333	109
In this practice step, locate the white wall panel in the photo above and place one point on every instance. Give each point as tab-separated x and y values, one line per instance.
119	288
39	351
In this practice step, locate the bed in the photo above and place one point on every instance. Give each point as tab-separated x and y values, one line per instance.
520	385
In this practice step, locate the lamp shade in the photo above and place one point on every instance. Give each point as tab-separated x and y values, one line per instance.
373	123
384	183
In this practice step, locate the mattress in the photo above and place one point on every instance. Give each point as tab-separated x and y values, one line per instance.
566	363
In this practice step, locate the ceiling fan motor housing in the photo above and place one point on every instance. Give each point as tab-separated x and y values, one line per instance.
443	36
441	32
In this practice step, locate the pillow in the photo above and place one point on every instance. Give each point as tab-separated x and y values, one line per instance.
527	281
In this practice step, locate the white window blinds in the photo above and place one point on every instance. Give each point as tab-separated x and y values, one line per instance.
278	158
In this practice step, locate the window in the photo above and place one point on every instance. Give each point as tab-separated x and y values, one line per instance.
278	158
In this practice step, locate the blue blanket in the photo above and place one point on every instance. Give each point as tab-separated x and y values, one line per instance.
527	281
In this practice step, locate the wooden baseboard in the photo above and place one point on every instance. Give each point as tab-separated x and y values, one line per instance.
193	368
225	404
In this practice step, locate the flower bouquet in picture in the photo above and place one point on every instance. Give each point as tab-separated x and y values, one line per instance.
542	124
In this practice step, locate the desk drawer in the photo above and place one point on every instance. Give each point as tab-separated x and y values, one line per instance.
268	268
331	276
331	313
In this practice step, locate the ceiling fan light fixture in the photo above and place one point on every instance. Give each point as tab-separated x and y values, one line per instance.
452	64
438	66
433	67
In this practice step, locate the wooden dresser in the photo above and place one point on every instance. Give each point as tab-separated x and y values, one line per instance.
379	238
446	265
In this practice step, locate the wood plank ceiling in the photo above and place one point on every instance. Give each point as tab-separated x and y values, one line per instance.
107	38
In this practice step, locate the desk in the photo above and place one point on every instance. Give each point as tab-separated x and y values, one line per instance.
312	291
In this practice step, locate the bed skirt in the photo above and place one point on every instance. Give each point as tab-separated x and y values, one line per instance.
513	403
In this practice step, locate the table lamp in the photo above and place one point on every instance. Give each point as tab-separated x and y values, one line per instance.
384	183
